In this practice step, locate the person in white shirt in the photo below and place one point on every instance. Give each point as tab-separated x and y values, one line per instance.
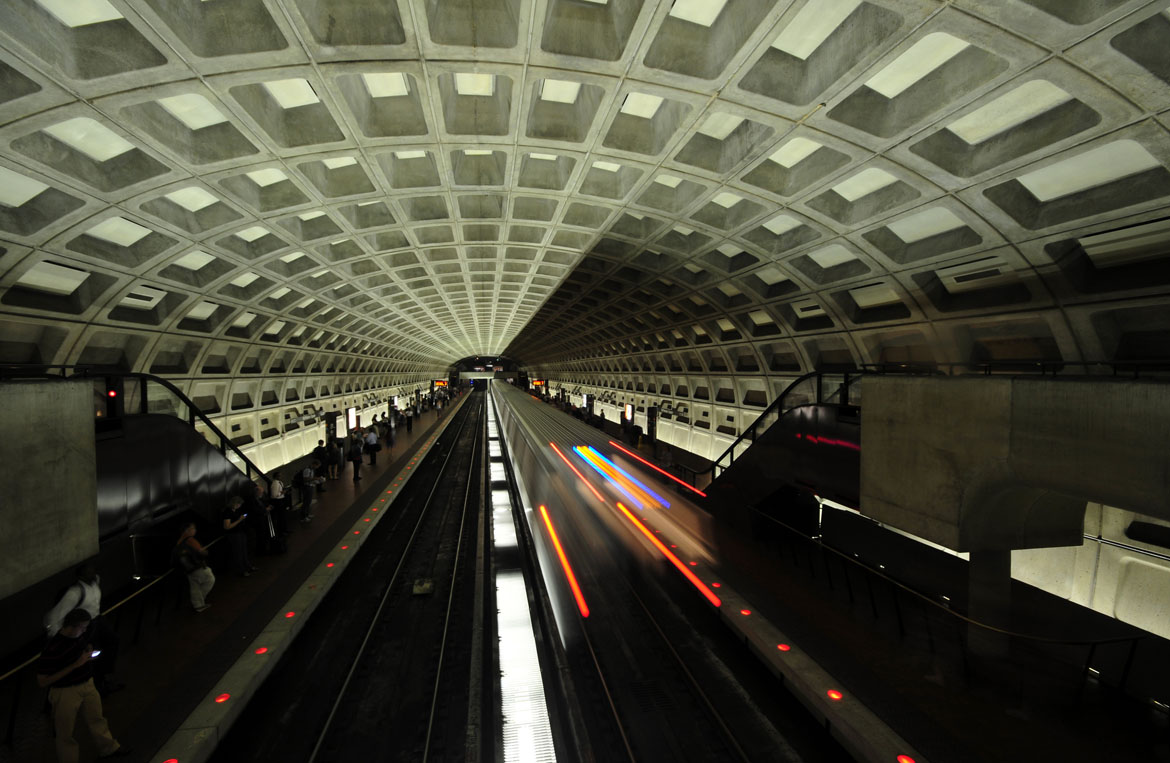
372	445
86	593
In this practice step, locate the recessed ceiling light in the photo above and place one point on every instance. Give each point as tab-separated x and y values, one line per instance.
194	260
120	231
53	278
544	157
193	198
720	124
670	181
475	84
253	233
75	13
283	290
244	280
292	93
607	166
1016	107
409	154
926	55
864	183
339	162
267	177
727	200
641	105
812	26
17	190
794	152
142	298
559	91
202	311
701	12
386	85
781	224
831	255
193	110
923	225
1099	166
90	137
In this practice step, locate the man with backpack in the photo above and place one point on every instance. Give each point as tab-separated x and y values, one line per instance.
86	593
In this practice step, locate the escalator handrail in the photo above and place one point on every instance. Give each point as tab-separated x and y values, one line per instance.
224	441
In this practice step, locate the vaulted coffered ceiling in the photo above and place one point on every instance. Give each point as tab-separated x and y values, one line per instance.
698	186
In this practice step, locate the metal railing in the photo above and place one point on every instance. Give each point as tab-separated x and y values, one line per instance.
143	393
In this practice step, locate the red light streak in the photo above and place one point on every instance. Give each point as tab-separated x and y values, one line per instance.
290	614
655	468
703	589
905	759
223	698
581	605
262	650
330	564
579	474
716	585
745	611
830	441
834	694
783	647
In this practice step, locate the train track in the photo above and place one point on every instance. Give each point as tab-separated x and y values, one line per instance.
381	671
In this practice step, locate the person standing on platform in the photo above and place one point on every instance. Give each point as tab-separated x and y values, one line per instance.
234	517
191	558
409	418
356	446
258	510
281	502
372	445
66	668
86	593
333	459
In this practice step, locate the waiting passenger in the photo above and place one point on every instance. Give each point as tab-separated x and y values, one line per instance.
86	593
356	445
66	666
234	517
191	559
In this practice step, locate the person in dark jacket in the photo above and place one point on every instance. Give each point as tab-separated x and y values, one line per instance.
65	667
354	454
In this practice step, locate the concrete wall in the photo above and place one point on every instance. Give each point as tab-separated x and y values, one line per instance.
980	464
48	508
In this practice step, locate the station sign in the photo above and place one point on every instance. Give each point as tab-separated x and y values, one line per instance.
538	382
440	382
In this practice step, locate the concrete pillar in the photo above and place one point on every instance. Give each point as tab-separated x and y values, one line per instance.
989	601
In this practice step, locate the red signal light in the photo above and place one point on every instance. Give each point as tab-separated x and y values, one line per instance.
111	393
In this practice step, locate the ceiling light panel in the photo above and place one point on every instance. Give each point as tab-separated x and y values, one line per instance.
52	278
831	256
864	183
120	231
292	93
17	190
338	162
720	124
1021	104
386	85
193	110
253	233
1101	165
926	55
143	298
701	12
878	295
77	13
475	84
194	260
794	152
812	26
91	138
641	105
193	198
267	177
923	225
244	280
559	91
781	224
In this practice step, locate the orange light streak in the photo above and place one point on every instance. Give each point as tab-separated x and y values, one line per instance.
703	589
660	471
579	474
581	605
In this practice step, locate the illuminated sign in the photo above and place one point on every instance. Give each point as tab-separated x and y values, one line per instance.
351	418
440	382
629	411
538	382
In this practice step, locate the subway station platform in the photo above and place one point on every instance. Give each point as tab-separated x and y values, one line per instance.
179	654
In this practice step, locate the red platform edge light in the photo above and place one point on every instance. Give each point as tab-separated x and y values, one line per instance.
171	760
112	393
329	564
580	476
580	597
290	614
262	650
223	698
703	589
905	759
343	548
655	468
716	585
745	611
833	694
783	647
